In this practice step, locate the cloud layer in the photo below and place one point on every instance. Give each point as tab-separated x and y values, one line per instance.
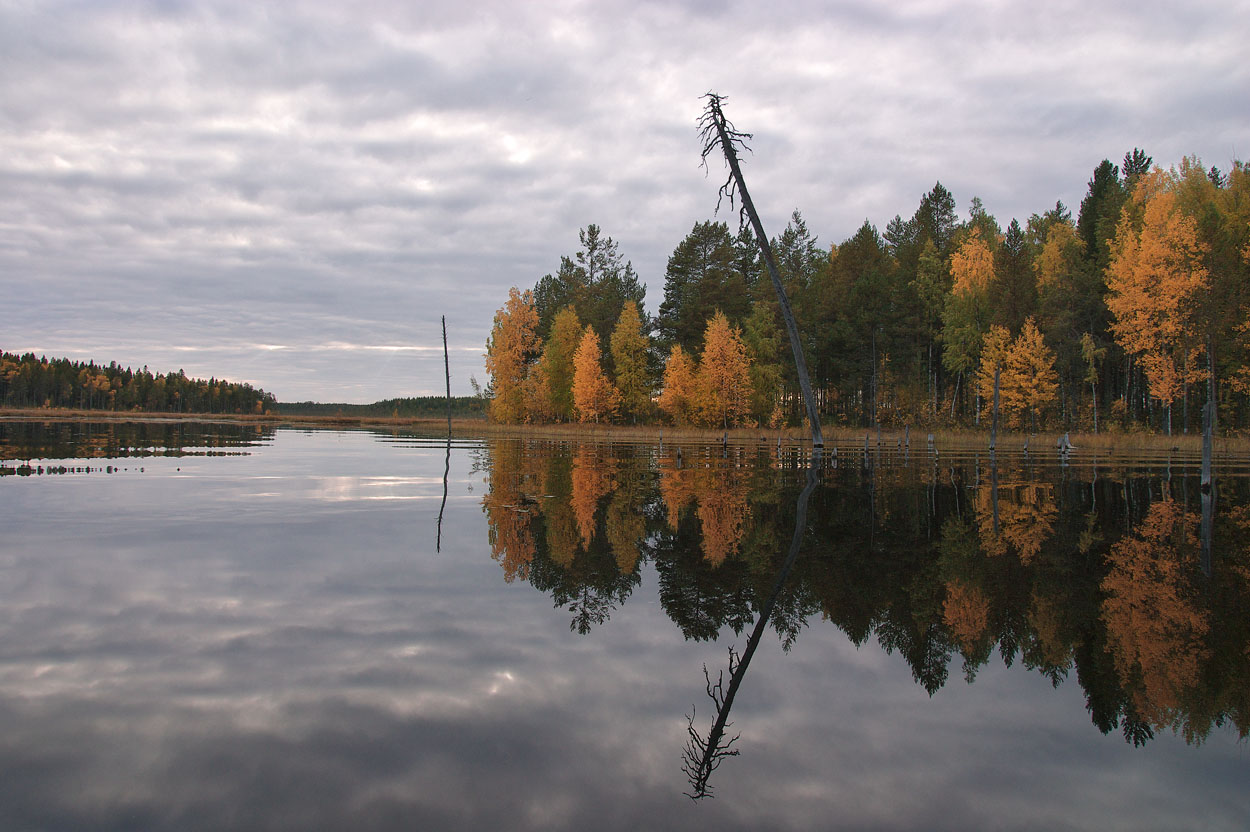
180	182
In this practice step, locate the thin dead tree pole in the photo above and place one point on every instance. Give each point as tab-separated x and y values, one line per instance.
438	542
716	131
447	370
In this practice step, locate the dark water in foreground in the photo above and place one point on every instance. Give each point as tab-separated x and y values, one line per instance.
208	628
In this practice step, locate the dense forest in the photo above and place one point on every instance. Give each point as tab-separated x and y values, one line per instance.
418	407
1130	315
31	381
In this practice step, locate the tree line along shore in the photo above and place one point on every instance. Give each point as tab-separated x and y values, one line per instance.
1128	317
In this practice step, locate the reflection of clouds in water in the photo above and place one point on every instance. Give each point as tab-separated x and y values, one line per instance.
173	658
348	489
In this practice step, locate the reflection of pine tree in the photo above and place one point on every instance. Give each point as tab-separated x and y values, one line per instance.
590	586
700	598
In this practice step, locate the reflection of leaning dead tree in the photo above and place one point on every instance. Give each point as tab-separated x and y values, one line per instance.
438	541
716	131
703	755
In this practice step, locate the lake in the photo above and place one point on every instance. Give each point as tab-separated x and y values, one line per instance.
214	626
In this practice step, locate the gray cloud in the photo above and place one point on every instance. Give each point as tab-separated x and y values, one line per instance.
311	173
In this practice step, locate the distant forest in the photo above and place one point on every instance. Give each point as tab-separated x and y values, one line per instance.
40	382
419	407
1130	315
31	381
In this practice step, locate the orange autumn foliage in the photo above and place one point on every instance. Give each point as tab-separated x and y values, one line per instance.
972	266
724	379
594	397
680	394
1155	280
966	612
513	346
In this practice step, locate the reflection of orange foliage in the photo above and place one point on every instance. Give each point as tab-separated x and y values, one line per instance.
592	479
677	488
966	613
1026	519
1046	618
1029	520
625	527
511	540
562	533
722	513
1154	630
721	496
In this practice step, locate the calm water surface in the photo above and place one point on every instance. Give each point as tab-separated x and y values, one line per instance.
208	627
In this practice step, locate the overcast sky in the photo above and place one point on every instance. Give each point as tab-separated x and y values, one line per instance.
292	194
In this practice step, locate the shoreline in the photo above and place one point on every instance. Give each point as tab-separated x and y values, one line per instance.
1008	441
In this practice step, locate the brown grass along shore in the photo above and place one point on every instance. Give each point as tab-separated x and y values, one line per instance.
841	437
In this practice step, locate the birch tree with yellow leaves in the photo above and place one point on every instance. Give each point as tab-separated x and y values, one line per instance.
1156	281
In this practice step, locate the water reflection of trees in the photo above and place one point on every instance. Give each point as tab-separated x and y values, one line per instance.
1097	577
67	439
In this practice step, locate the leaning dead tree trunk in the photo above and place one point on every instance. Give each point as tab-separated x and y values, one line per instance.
718	132
447	371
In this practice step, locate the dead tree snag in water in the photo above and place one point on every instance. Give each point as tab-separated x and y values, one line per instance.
716	131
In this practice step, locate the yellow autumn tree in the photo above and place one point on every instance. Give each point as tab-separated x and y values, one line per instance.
994	350
511	350
1029	380
679	397
557	363
1155	283
535	395
594	397
724	379
629	348
966	314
